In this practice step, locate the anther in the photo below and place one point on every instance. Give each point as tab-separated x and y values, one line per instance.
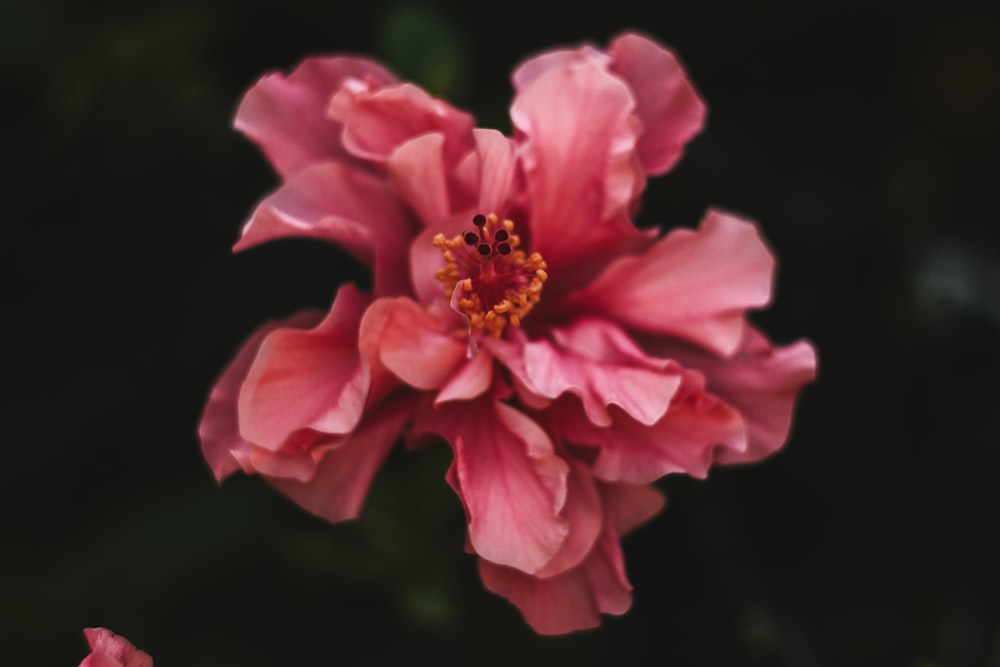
496	283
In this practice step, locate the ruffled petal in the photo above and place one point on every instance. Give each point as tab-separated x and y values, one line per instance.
111	650
577	134
584	517
287	115
557	605
575	599
412	343
667	104
696	285
597	362
510	480
671	111
337	490
760	380
536	66
686	440
222	445
297	458
417	172
337	203
379	119
307	380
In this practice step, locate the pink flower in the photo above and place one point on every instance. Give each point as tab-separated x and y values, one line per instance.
569	358
110	650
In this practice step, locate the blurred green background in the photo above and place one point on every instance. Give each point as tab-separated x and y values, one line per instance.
863	138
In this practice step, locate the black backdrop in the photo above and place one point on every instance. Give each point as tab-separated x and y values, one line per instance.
863	140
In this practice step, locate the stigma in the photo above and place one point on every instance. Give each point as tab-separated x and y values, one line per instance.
499	282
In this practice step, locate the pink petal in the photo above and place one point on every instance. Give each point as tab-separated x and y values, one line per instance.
577	135
685	440
555	606
668	105
536	66
628	506
697	285
417	171
759	380
597	362
497	164
340	484
297	458
379	119
287	115
510	480
584	516
470	381
573	600
223	446
343	205
307	380
111	650
482	181
413	343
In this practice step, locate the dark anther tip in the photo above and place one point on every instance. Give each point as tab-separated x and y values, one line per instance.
479	220
471	238
484	249
501	235
503	248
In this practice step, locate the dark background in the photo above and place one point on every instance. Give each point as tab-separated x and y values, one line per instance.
864	140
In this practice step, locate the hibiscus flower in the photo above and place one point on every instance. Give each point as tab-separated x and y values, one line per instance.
110	650
569	358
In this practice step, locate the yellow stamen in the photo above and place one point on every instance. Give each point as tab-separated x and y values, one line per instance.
499	281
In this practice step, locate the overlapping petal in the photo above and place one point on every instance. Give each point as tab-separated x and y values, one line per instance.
666	102
311	380
575	599
471	380
688	439
223	446
377	119
671	111
510	480
286	115
412	343
578	159
596	361
535	66
496	160
697	285
584	519
571	601
333	202
339	486
418	173
760	380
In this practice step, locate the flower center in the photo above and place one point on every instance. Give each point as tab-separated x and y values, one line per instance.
499	283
